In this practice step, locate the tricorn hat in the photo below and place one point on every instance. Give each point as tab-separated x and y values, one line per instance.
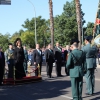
88	38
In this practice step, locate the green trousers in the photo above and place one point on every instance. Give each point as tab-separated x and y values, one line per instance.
77	85
90	80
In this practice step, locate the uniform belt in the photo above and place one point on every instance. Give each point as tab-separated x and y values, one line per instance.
77	64
91	57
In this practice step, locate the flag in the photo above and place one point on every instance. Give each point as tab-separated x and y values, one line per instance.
96	30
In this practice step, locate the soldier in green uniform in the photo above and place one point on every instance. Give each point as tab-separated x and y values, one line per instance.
26	58
90	53
9	58
76	66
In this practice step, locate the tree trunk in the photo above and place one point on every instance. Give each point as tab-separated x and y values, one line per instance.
51	23
79	20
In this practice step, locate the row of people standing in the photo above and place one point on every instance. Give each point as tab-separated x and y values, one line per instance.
55	56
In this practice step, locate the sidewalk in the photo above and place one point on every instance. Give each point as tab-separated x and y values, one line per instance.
98	66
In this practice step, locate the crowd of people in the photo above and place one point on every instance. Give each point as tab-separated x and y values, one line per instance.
78	63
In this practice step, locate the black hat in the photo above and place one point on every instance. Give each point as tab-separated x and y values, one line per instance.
9	43
18	39
73	41
88	38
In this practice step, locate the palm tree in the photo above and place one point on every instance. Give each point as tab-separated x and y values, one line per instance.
79	20
51	23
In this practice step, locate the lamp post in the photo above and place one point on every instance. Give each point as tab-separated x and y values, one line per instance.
34	22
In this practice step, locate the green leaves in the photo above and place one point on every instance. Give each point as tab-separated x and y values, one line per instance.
4	40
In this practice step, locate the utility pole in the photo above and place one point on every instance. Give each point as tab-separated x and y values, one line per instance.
79	21
51	23
34	22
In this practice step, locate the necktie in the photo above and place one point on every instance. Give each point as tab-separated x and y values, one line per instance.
50	50
39	52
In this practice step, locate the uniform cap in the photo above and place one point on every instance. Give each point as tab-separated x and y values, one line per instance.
88	38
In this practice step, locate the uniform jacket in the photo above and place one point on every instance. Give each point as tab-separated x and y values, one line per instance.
9	54
76	67
49	56
37	57
90	53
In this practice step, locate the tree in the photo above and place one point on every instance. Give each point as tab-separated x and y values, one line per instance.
14	36
42	29
89	29
79	20
65	25
27	38
4	40
51	23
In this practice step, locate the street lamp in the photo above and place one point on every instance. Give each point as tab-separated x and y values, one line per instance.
34	22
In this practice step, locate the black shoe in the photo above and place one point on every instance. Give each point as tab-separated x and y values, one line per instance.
89	94
52	77
59	75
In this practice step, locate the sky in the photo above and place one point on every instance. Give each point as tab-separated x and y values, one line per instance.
13	16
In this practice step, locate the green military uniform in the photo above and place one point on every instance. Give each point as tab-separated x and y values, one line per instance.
76	66
9	58
90	53
26	59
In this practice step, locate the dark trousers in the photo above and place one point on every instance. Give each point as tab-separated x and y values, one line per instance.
1	74
90	80
58	68
49	67
77	85
19	72
11	68
25	66
36	72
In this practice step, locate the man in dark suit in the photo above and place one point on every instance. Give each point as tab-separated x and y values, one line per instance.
66	53
49	56
2	65
58	59
37	56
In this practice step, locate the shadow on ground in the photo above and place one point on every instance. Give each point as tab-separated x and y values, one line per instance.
42	90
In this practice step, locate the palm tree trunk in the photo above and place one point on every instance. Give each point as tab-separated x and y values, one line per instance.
79	20
51	23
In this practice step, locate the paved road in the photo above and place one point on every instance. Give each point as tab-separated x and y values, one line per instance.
47	89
